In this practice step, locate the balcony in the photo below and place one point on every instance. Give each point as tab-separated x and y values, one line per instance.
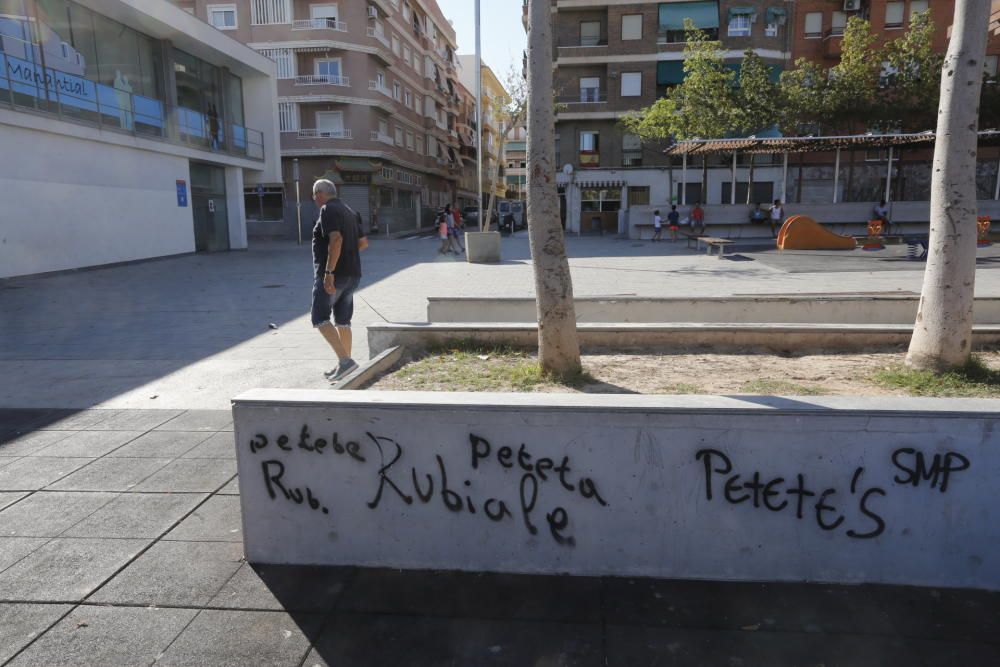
583	42
381	138
833	41
585	96
378	87
313	133
378	32
319	24
322	80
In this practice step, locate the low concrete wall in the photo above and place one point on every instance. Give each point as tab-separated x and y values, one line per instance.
729	488
619	337
805	309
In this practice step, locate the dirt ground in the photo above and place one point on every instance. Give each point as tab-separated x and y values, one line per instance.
681	373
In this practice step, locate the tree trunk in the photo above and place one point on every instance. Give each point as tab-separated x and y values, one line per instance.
558	346
942	334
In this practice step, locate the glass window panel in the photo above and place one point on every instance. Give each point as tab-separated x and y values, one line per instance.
632	26
234	98
893	14
838	22
814	23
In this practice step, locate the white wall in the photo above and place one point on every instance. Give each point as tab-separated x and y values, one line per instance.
69	202
236	209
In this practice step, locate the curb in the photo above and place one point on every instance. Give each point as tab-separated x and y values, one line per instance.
371	369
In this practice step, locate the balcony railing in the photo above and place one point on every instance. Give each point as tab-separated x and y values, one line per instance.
374	85
378	33
585	96
74	98
322	80
382	138
582	42
319	24
313	133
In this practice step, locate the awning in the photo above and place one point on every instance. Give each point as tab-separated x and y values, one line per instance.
669	72
762	145
742	11
703	14
600	185
776	15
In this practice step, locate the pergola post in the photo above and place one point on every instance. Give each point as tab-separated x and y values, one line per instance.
996	190
732	190
836	175
888	178
684	179
784	178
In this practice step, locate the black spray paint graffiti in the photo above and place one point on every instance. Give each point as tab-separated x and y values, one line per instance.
825	507
391	480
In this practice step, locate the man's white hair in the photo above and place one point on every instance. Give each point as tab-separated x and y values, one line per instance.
326	187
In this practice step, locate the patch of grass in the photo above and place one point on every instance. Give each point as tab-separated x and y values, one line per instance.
779	387
973	380
680	388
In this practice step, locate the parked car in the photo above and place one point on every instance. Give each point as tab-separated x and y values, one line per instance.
511	216
471	216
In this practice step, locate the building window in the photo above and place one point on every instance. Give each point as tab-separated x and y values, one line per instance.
416	103
917	7
837	23
408	98
267	12
409	140
631	27
590	89
399	136
328	67
770	30
330	124
395	45
631	150
385	197
590	33
406	54
222	17
418	143
387	173
704	15
284	59
991	68
590	149
631	84
638	196
739	25
397	90
593	200
894	15
814	25
325	16
288	117
404	199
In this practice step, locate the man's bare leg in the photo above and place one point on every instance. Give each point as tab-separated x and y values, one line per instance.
345	340
333	337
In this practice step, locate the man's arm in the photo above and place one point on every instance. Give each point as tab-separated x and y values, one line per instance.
333	256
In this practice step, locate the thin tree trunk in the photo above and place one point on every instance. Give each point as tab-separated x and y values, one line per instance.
558	345
942	334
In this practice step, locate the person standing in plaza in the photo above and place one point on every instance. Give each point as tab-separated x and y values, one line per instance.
657	226
337	241
698	218
777	217
455	230
673	221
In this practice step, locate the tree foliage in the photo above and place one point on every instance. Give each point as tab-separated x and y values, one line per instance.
914	76
755	100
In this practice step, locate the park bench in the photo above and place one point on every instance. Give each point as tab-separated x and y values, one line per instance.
710	242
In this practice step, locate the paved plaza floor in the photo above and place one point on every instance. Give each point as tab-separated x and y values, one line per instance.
120	533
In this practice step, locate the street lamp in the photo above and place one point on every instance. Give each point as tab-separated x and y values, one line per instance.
479	126
298	202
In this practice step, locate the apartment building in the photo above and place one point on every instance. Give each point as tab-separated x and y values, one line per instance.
128	130
494	95
367	97
515	151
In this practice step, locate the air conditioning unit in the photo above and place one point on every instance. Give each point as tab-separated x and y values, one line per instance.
852	5
373	11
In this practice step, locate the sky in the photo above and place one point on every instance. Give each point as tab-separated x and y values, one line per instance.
503	37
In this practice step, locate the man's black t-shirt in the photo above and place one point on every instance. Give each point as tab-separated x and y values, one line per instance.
337	216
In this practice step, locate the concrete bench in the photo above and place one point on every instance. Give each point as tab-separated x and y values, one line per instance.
840	490
710	242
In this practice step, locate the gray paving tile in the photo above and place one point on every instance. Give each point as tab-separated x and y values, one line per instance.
88	443
694	647
349	641
174	573
200	420
7	460
940	613
79	420
25	419
479	595
13	549
219	446
218	520
135	420
239	638
31	443
107	636
66	569
8	498
136	515
949	654
49	513
36	472
188	475
110	474
283	587
162	444
230	489
733	605
21	623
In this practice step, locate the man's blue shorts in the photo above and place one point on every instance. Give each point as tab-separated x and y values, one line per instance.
340	305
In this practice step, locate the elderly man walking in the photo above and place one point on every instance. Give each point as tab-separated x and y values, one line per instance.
337	240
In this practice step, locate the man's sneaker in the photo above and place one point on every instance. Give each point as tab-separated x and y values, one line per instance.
345	367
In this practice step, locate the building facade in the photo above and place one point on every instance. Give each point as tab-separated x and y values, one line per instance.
367	97
494	96
129	131
516	159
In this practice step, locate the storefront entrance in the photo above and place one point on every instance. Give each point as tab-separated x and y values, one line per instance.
208	205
